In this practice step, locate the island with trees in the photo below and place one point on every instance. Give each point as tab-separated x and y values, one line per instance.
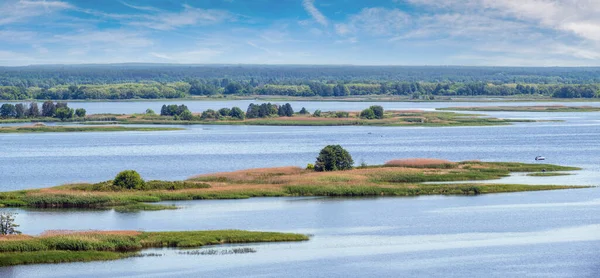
332	174
255	114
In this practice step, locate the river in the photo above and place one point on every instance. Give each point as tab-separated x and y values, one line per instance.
552	233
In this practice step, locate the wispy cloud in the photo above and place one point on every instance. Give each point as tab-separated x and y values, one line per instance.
121	38
20	11
374	21
309	6
190	16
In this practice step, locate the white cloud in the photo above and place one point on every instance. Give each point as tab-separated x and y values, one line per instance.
309	6
374	21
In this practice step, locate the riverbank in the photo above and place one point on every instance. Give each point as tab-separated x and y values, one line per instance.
69	246
103	128
540	108
405	179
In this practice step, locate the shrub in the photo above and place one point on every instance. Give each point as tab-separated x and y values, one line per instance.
333	158
150	112
80	112
209	115
367	114
341	114
129	179
186	115
303	111
317	113
237	113
378	111
224	112
64	113
310	166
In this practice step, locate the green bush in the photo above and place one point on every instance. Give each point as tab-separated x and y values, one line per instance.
129	179
367	114
333	158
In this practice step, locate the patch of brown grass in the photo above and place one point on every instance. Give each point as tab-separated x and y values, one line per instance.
418	162
51	233
14	237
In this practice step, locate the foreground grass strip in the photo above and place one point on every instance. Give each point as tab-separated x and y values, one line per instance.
112	245
541	108
40	129
397	178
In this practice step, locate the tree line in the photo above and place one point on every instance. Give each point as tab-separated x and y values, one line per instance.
49	109
213	87
52	76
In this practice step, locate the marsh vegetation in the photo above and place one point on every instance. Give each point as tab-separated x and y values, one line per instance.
83	246
396	178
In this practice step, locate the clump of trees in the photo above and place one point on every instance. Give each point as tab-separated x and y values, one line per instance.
285	110
373	112
50	109
173	109
7	224
333	158
129	179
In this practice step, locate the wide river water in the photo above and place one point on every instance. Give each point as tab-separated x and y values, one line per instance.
551	233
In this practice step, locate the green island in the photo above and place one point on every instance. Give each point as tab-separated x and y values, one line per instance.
106	128
73	246
256	114
536	108
412	177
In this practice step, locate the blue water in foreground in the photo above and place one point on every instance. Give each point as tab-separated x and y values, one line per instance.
548	234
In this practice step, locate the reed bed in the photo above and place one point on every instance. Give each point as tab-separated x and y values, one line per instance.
70	246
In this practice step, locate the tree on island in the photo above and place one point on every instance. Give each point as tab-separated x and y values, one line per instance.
367	114
129	179
48	109
34	110
8	110
333	158
80	112
378	111
64	113
7	224
237	113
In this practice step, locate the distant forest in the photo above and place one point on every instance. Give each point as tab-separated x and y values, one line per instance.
152	81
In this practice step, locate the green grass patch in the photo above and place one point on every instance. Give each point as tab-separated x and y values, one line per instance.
93	246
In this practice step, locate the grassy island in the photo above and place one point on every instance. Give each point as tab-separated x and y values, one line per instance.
395	178
334	118
44	128
70	246
256	114
540	108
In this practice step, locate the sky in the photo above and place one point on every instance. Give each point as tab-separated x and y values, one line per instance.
369	32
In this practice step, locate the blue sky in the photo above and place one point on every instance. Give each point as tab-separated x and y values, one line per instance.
375	32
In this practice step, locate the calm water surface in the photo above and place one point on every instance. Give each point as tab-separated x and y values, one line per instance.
549	234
